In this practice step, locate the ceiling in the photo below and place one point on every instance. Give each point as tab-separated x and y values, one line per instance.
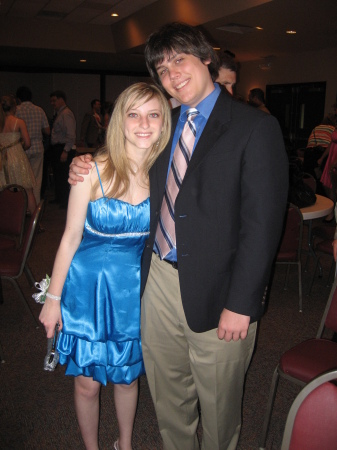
56	34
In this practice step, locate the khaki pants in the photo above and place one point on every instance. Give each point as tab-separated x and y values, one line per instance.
183	367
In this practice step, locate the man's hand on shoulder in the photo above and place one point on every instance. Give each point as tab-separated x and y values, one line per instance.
232	326
79	165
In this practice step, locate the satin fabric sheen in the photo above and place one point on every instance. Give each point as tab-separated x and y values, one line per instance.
101	295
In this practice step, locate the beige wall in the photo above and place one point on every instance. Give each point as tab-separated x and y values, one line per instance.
80	89
297	68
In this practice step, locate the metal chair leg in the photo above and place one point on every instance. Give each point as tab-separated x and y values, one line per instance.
22	297
313	277
1	293
285	287
2	359
300	286
29	275
270	404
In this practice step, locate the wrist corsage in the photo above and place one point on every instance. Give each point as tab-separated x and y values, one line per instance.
52	357
43	286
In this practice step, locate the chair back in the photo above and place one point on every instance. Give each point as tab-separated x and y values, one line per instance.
13	207
329	318
310	181
312	419
291	241
29	236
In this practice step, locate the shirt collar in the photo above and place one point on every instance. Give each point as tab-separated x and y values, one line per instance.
205	107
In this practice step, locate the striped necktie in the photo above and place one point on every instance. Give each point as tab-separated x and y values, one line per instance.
166	233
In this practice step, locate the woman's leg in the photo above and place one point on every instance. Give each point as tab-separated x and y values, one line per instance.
87	409
31	200
126	397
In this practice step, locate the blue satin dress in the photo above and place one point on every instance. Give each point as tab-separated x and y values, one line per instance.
101	296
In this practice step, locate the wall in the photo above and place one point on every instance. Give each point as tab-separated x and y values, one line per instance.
296	68
80	89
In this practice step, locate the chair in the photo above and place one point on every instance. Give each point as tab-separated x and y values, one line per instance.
290	248
310	181
323	248
307	360
13	207
13	262
312	419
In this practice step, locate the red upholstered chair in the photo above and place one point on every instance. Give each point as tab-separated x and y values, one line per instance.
13	207
289	251
312	419
323	248
13	261
307	360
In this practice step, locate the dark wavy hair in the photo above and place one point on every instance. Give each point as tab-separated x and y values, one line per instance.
180	38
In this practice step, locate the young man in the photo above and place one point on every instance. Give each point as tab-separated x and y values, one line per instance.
201	301
256	99
92	126
227	72
63	143
37	125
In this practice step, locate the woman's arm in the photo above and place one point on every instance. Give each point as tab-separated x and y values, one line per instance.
72	236
24	134
324	154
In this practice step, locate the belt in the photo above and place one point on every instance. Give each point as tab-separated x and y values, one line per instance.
174	264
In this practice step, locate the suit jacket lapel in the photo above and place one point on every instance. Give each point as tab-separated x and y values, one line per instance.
216	126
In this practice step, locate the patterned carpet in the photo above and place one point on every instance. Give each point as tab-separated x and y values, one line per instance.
37	410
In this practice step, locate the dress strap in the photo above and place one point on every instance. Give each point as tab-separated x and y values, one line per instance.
15	124
100	182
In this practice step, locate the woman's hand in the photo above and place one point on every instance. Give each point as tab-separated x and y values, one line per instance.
51	315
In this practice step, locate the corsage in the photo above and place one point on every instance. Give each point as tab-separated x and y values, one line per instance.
43	286
52	357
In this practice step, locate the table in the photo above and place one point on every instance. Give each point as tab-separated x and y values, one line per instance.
321	208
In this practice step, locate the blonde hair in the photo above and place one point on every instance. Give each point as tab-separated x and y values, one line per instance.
117	165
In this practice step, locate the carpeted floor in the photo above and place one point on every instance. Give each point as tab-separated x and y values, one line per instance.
36	407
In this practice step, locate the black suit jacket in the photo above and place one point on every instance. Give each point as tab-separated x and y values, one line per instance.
229	213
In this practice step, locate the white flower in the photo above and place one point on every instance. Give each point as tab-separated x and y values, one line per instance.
43	287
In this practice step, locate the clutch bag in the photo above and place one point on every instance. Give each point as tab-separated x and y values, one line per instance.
52	357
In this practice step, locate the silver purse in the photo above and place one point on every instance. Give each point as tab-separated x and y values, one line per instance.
52	357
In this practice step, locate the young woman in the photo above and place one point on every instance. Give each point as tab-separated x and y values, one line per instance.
99	314
15	167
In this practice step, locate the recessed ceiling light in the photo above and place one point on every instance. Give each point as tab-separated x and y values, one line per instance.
83	60
114	15
216	48
258	28
291	32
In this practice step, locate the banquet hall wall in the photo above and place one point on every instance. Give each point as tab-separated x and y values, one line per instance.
81	88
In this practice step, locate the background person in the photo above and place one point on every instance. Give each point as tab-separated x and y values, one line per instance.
92	127
14	139
256	99
37	125
62	148
227	72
